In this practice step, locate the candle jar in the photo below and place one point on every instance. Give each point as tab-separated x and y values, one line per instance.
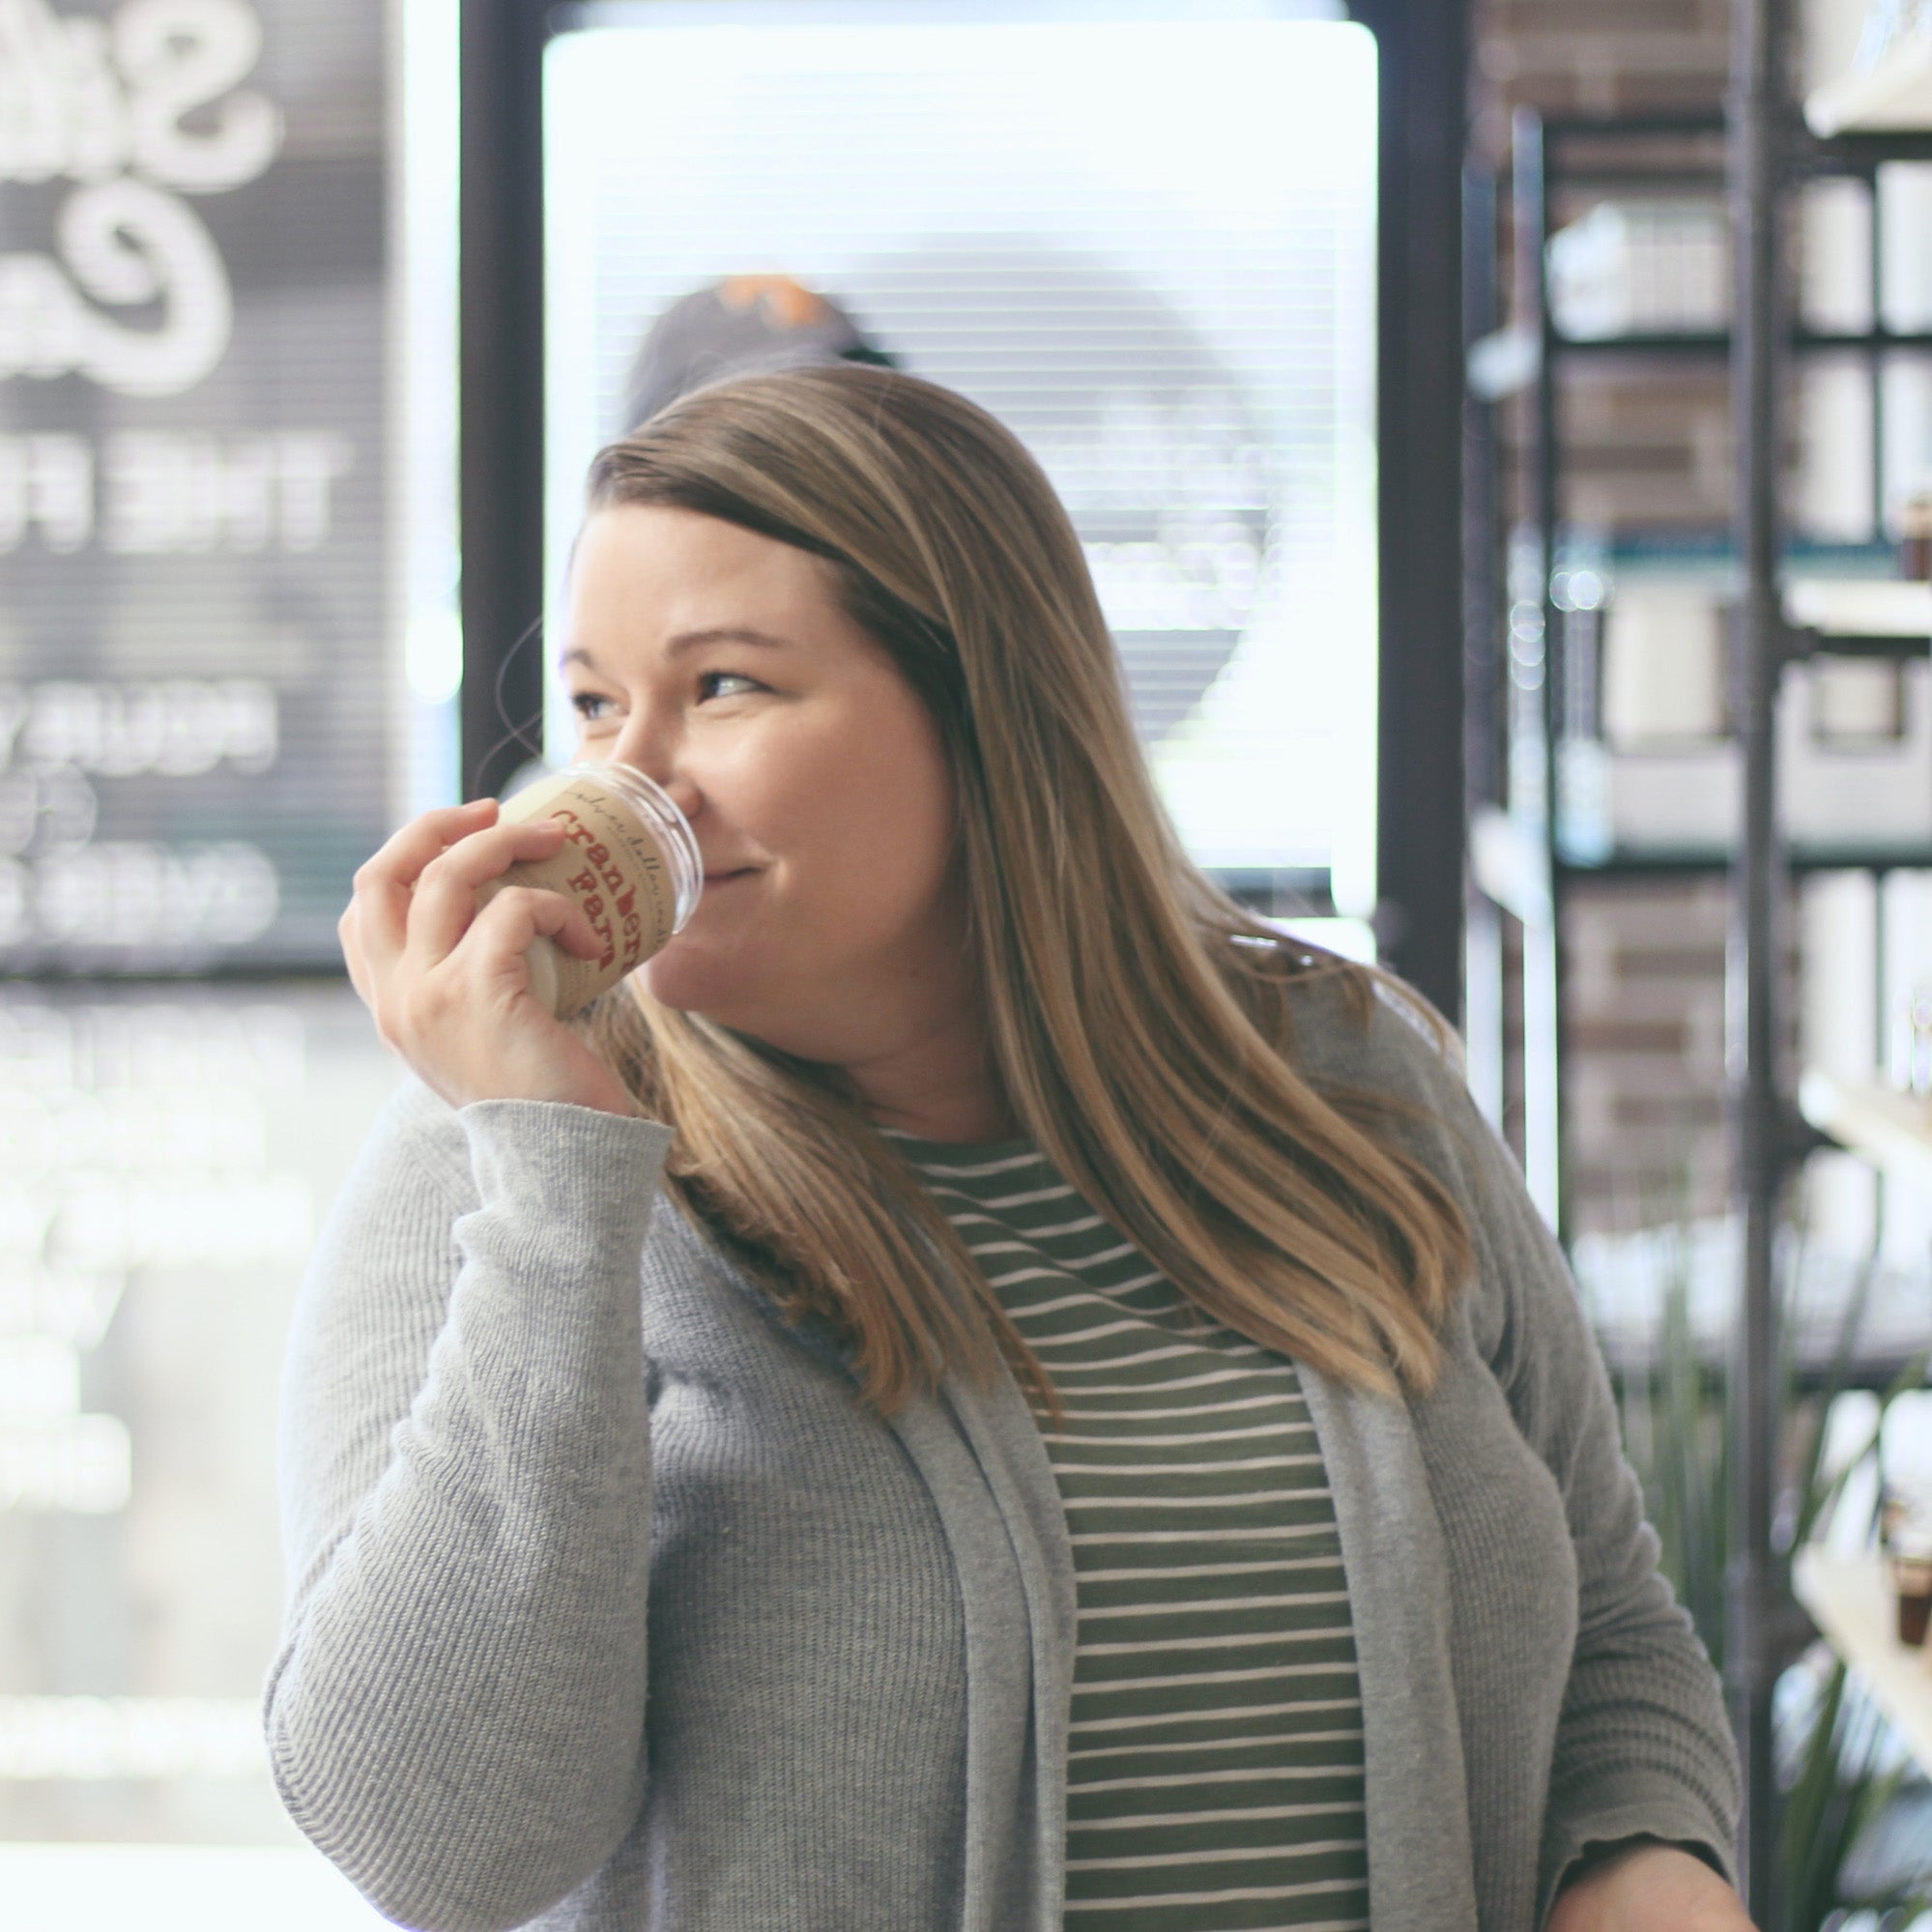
1918	1050
629	860
1914	537
1912	1579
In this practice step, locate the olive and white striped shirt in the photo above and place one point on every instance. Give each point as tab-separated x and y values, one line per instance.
1215	1760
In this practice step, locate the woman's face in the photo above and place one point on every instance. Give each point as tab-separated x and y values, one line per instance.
721	663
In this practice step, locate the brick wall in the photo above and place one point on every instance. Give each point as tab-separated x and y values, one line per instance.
1590	57
1644	1051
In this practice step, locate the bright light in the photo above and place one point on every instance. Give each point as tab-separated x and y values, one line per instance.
1146	241
81	1887
433	657
1351	938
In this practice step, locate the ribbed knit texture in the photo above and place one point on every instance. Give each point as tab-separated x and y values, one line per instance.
611	1611
1214	1762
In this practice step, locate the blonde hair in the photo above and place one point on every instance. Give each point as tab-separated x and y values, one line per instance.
1138	1018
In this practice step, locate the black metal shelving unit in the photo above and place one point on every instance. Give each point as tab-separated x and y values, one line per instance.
1762	152
1534	667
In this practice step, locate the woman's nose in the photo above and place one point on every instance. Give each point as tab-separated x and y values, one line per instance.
683	794
648	750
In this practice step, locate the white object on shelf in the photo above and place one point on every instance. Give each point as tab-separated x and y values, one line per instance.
1889	1128
1860	704
1850	1423
1633	266
1861	606
1874	795
1663	667
1906	1448
1856	703
1896	94
1626	1279
1853	1605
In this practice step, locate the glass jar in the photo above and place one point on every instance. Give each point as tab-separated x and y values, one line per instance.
631	862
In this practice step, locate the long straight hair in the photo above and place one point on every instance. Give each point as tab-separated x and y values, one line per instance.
1138	1018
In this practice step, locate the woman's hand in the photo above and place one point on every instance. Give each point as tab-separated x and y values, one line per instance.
448	985
1649	1888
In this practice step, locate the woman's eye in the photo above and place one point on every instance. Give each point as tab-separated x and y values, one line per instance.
592	707
709	680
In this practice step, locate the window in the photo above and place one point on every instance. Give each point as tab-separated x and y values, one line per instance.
1145	241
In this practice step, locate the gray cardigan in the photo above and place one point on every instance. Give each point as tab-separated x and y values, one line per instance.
611	1611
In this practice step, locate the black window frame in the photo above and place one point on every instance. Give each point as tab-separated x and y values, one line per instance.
1421	832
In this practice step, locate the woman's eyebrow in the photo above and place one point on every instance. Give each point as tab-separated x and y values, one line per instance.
688	640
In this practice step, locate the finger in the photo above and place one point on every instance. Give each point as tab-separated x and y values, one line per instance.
352	951
504	929
383	882
445	900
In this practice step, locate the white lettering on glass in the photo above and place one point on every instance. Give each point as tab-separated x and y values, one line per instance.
130	893
82	1465
98	1738
156	492
169	491
51	808
133	1135
46	485
169	727
72	1303
109	109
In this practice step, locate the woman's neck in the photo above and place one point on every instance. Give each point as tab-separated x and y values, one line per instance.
937	1086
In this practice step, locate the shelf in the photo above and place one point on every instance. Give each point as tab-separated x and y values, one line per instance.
1639	862
1860	154
1852	1605
1896	605
1767	154
1619	126
1873	611
1855	149
1707	554
1887	1127
1717	342
1894	98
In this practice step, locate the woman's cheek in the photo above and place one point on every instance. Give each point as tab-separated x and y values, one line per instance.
753	764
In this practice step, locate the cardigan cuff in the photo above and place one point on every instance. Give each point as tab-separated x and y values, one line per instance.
1571	1844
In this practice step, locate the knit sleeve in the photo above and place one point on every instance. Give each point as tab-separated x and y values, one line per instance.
1643	1745
455	1716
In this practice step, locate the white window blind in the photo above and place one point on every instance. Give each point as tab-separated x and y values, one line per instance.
1147	243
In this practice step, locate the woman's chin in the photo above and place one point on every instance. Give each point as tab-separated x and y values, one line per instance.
690	985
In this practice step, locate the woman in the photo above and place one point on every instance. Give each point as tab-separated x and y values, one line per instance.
1306	1588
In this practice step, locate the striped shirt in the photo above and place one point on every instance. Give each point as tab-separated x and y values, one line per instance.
1215	1763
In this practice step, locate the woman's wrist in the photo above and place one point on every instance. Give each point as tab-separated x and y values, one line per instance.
1644	1885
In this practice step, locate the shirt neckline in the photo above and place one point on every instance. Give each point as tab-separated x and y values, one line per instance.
958	1153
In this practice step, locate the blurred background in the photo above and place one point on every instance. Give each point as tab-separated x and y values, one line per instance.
1383	355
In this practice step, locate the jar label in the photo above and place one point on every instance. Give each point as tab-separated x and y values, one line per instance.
611	865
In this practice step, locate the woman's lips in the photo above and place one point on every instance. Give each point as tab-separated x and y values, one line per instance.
725	877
